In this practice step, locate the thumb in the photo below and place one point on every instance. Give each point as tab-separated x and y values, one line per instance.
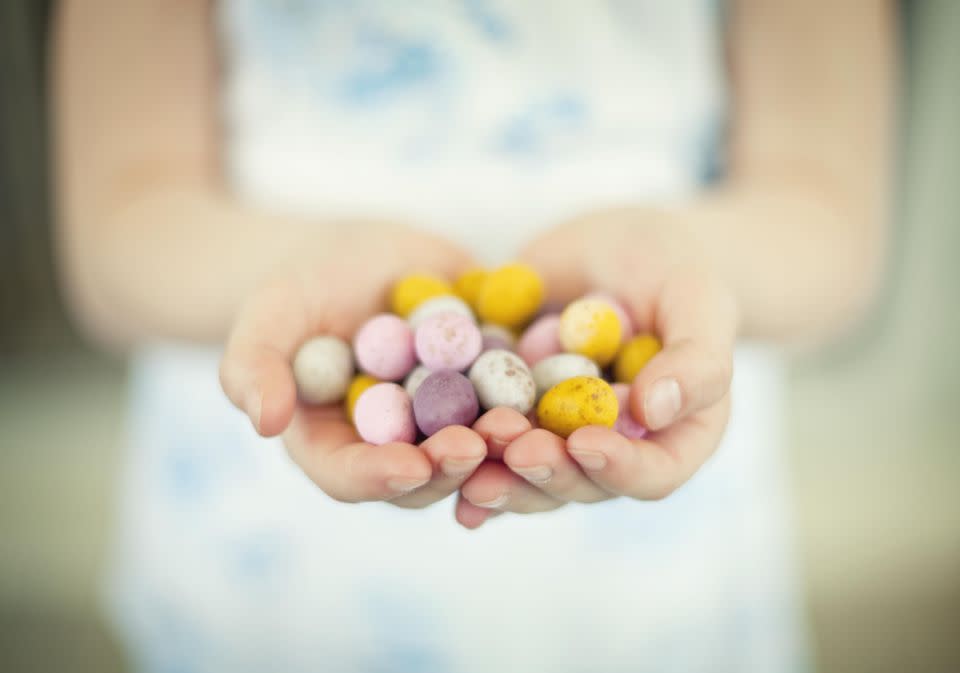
696	318
681	380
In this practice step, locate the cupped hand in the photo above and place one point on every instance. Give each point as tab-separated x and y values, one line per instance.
331	287
655	265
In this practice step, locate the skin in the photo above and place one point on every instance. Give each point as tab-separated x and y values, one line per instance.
788	248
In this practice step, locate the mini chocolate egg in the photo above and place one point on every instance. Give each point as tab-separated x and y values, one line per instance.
448	341
439	305
591	327
626	425
384	413
384	347
411	291
322	369
496	337
552	370
468	284
502	379
577	403
359	384
445	398
541	339
414	379
510	296
626	322
634	356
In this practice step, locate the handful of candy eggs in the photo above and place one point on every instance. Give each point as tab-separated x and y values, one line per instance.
454	348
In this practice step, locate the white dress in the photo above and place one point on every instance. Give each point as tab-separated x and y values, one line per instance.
485	120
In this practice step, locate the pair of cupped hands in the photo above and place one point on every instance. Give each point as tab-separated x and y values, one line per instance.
651	260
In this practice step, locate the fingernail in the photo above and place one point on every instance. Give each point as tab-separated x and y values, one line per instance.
590	460
662	403
498	444
538	474
254	407
459	467
403	486
499	501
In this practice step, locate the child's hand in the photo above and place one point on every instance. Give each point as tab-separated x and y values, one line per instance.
332	290
652	262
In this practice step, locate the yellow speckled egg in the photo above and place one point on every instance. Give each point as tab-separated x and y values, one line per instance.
359	384
576	403
510	296
411	291
591	327
634	356
468	285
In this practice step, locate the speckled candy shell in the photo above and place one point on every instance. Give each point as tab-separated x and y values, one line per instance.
448	341
445	398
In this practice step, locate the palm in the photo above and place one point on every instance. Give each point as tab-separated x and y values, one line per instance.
656	272
333	293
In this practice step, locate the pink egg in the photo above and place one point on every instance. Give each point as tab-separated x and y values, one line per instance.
384	347
384	413
448	341
626	322
626	425
540	340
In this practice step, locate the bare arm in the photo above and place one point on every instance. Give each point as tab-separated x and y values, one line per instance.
153	246
150	240
789	247
797	229
800	227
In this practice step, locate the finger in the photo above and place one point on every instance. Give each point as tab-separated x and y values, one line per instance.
493	486
498	427
328	450
255	371
454	453
540	457
697	321
470	516
649	469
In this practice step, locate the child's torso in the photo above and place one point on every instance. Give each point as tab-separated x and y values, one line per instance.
486	120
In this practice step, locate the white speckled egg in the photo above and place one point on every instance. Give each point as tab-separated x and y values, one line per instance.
415	378
323	369
502	379
444	304
552	370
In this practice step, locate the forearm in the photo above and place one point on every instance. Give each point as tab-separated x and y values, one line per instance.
803	267
170	263
177	261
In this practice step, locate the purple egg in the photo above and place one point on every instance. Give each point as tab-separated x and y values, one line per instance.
495	343
445	398
496	337
625	424
550	307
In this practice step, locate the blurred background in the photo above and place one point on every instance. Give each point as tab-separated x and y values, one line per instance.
875	424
